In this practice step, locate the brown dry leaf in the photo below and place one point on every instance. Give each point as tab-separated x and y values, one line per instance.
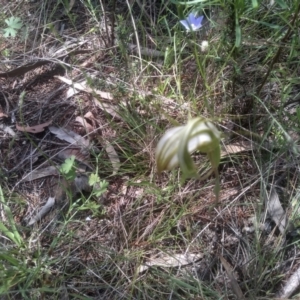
89	116
170	261
236	148
3	115
233	282
276	211
109	108
34	129
69	136
43	211
113	157
290	286
7	129
82	86
89	128
40	173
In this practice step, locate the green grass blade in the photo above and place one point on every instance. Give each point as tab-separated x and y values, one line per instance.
254	3
238	35
13	234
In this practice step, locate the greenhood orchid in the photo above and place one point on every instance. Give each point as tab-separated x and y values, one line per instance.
178	143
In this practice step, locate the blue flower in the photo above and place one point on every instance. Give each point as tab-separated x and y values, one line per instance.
192	22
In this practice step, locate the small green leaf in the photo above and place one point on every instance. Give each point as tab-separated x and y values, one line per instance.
67	166
93	179
12	233
101	188
282	4
9	32
13	24
94	207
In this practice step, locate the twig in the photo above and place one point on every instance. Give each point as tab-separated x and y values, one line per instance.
33	65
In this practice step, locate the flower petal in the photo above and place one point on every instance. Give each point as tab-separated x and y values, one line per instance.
206	136
166	150
192	22
178	143
199	141
198	21
192	17
186	24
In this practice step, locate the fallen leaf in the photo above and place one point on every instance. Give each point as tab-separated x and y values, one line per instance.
236	148
109	108
82	86
89	116
233	282
69	136
290	286
170	261
43	211
113	157
40	173
89	128
34	129
275	210
7	129
3	115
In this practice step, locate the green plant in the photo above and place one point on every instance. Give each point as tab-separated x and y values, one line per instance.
68	168
19	265
12	232
178	143
99	186
13	25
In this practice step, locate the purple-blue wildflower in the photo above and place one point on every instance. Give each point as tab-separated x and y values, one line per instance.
192	22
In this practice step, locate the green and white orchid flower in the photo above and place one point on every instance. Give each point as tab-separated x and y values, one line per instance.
178	143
